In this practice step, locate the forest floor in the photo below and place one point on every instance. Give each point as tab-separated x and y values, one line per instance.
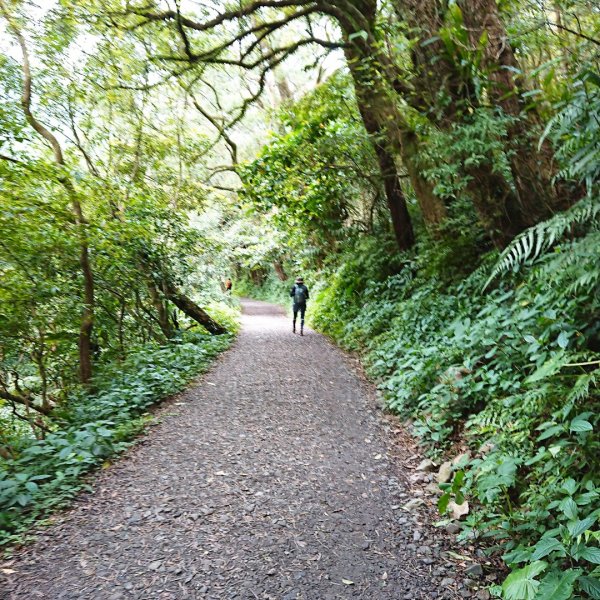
275	476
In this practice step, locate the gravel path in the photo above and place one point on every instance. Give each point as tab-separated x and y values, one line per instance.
271	478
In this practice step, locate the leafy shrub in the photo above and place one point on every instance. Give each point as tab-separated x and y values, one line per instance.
575	129
513	372
92	427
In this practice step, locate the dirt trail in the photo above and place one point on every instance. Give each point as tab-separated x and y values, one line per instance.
270	478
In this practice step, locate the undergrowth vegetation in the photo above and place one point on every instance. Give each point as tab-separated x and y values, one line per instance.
89	428
491	354
505	373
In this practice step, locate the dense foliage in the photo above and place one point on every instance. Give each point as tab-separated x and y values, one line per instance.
491	356
107	253
437	186
40	474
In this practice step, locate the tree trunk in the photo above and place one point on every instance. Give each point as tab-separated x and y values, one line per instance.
438	88
375	80
497	56
532	169
380	118
432	206
396	202
279	270
162	313
87	317
441	92
401	221
258	276
192	310
495	204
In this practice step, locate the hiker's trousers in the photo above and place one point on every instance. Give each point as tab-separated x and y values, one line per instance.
299	308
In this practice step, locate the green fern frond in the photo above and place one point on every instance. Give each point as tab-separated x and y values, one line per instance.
575	131
576	267
581	389
539	238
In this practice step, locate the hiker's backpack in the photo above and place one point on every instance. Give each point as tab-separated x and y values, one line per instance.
299	294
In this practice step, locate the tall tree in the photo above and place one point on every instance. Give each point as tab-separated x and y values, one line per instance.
451	49
533	168
87	317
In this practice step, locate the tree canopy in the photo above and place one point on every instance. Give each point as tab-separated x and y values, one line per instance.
432	166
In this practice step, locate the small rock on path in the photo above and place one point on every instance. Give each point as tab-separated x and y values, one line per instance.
268	479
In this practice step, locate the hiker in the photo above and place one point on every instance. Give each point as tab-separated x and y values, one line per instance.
300	295
228	285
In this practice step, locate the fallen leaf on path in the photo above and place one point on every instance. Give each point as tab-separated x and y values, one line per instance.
458	510
458	556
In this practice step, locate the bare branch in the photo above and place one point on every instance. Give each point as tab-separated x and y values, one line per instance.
573	32
171	15
214	122
26	96
77	140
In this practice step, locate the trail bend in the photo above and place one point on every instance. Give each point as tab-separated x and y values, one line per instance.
269	478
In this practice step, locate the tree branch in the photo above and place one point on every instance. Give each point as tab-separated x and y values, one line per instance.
26	95
573	32
171	15
15	161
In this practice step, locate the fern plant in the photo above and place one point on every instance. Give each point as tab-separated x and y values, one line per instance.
539	238
575	131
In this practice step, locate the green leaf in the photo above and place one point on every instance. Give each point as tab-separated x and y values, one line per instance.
65	452
516	556
591	555
569	508
551	431
569	486
458	480
557	585
579	424
563	339
430	40
549	368
545	547
23	499
521	584
443	502
590	585
31	486
578	527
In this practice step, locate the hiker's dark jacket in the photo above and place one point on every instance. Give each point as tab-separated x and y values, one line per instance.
293	292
